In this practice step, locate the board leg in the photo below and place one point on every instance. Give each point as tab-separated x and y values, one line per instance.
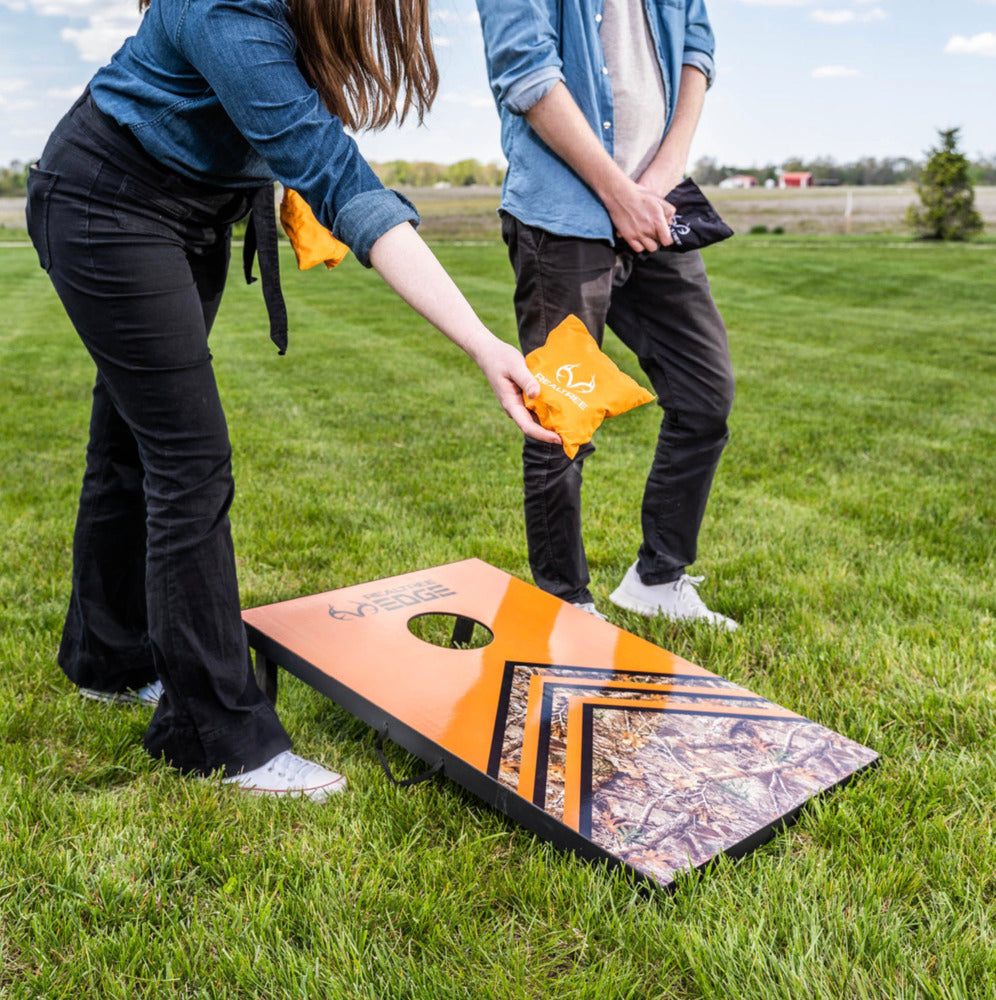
266	676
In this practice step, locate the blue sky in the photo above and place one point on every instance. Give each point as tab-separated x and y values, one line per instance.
841	78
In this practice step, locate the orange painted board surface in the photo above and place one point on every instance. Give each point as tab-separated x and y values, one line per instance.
449	695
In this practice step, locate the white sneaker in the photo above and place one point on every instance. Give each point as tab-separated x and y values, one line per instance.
678	601
290	775
148	695
589	606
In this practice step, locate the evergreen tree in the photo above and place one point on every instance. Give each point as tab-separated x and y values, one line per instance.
946	194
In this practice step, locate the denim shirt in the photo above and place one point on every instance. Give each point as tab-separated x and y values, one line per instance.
211	89
530	45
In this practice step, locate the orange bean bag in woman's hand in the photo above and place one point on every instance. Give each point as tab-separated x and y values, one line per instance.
579	385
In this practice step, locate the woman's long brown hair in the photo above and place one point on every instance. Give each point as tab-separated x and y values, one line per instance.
369	60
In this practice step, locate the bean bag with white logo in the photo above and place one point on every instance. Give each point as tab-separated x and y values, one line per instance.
579	385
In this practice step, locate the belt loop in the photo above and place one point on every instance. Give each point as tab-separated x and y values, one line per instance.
261	241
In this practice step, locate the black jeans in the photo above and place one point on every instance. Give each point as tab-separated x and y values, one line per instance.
139	256
660	306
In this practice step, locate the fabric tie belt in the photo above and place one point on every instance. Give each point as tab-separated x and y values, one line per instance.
312	243
261	242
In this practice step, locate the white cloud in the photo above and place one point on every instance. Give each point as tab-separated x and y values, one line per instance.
67	8
97	28
11	89
479	100
455	17
26	104
33	132
983	44
846	16
833	16
65	93
834	72
102	36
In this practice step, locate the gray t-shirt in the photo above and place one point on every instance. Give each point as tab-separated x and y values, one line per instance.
638	93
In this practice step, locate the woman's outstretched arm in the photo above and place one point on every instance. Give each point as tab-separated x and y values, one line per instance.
411	269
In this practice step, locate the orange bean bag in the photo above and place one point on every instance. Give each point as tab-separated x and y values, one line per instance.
312	242
579	385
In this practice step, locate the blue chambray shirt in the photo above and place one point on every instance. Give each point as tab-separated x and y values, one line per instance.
529	46
211	89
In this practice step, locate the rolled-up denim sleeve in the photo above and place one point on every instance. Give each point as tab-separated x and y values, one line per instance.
520	47
700	43
245	50
365	218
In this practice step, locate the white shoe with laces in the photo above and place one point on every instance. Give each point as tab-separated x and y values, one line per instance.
289	775
148	695
678	601
589	606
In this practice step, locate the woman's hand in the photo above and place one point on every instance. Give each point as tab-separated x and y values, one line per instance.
506	371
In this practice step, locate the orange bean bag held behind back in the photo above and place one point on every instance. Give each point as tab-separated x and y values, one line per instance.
312	242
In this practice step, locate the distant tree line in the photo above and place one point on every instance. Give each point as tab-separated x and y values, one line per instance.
464	173
13	180
396	173
826	170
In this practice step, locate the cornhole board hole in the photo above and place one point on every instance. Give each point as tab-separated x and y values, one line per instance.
595	739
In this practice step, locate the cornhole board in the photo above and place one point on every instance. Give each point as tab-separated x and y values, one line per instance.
587	735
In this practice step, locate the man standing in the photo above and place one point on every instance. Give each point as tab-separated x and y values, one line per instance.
599	101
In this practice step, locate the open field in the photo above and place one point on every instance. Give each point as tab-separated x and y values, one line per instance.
852	532
460	213
822	210
469	213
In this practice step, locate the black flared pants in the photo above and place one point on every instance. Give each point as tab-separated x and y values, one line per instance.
139	256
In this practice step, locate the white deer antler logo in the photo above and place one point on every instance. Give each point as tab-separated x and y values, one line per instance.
679	228
565	376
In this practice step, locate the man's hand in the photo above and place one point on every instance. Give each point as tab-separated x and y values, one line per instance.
641	216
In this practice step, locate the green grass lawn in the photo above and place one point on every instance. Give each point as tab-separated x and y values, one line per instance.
851	532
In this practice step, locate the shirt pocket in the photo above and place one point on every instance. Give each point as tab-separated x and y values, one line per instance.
670	3
40	185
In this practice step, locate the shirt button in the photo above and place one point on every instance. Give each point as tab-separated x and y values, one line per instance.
598	19
605	70
606	124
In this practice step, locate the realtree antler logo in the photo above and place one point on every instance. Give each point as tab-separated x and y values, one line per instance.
404	595
360	610
679	229
565	376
